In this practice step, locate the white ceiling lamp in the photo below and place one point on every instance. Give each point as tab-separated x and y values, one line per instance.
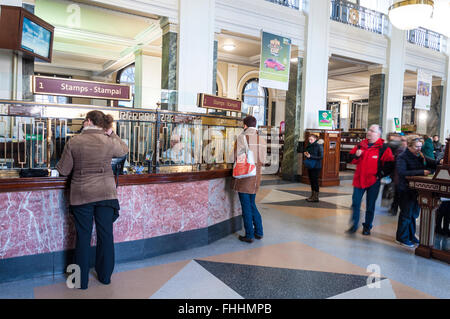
410	14
229	47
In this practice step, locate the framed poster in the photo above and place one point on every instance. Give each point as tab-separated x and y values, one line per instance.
423	90
275	61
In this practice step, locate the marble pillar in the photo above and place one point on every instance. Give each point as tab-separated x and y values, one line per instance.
169	94
434	115
376	99
214	81
289	166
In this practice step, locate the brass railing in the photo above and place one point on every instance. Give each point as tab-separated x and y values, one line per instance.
360	17
34	135
294	4
426	38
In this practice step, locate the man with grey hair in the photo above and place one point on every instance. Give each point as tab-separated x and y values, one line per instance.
373	160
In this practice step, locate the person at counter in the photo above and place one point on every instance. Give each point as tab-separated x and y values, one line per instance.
248	187
93	192
411	162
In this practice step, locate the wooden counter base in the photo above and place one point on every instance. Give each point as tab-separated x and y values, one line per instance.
46	183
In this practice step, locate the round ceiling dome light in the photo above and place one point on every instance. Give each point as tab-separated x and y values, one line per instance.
229	47
410	14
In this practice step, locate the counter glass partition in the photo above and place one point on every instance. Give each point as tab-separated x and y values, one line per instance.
33	136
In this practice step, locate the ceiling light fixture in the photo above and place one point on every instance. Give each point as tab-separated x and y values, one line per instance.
410	14
229	47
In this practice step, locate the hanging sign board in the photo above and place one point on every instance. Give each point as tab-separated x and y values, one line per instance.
275	61
325	119
398	127
80	88
423	90
219	103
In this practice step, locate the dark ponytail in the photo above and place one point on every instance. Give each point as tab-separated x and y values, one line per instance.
100	119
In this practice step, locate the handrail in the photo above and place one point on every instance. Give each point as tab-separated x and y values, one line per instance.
294	4
361	17
426	38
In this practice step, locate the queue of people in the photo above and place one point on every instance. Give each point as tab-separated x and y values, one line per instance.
87	159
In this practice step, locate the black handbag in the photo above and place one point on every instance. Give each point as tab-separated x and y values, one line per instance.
117	165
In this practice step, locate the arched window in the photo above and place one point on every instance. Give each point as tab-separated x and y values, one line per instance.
255	101
126	76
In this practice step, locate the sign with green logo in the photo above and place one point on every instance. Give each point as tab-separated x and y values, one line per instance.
398	128
325	119
34	137
275	61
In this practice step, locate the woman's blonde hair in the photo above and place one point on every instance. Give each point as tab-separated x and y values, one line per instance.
413	139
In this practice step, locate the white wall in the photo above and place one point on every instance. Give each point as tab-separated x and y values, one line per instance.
315	74
147	81
394	80
195	52
5	74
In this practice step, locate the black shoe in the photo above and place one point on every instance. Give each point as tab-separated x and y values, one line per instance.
366	232
258	237
415	241
247	240
351	230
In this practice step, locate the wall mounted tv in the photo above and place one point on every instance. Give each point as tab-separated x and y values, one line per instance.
23	31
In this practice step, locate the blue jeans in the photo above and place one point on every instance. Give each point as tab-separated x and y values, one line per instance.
250	215
409	211
371	198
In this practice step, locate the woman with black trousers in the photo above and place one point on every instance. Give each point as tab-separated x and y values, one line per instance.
313	162
410	163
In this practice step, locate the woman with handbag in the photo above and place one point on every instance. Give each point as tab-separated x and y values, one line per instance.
313	162
93	195
250	155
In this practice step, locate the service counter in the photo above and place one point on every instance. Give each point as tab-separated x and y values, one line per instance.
168	206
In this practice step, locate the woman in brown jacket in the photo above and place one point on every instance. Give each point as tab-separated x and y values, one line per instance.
248	187
93	192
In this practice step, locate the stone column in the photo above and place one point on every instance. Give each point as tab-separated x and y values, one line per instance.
214	80
395	75
445	116
195	52
315	77
289	166
169	95
147	80
376	96
434	115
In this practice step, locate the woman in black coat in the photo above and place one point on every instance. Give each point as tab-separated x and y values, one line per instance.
410	163
313	162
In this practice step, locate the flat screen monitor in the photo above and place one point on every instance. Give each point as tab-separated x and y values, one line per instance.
36	39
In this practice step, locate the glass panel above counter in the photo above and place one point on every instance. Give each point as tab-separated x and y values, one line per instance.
33	136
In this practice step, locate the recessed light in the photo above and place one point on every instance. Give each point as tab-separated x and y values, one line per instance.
229	47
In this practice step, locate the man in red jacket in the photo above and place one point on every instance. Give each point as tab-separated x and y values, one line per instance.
369	167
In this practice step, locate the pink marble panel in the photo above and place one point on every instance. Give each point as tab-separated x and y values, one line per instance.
39	222
223	201
176	207
130	224
34	223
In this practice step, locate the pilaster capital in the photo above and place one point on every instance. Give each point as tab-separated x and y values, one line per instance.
167	25
377	69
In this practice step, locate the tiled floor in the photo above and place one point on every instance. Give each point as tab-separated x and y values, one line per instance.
304	254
